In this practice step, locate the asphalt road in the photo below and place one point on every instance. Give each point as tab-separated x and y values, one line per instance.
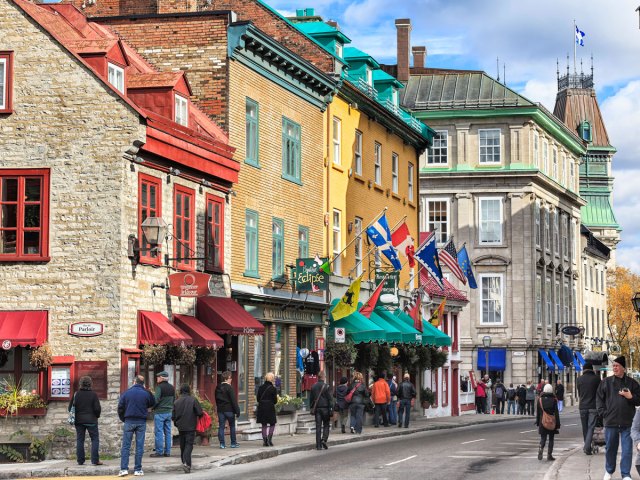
478	452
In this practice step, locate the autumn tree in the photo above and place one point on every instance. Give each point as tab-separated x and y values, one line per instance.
623	323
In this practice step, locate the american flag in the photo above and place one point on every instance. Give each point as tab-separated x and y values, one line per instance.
449	257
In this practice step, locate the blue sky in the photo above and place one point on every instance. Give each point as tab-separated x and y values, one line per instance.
528	37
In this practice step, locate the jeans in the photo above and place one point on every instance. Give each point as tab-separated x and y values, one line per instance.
521	408
95	443
560	405
588	417
392	412
186	446
323	419
129	430
344	416
404	408
530	409
511	405
612	436
381	409
162	429
357	416
223	418
499	406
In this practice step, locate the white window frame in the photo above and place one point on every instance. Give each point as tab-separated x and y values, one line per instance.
556	233
181	110
358	245
557	302
572	185
377	167
554	173
536	149
442	235
438	154
115	76
4	69
337	240
547	299
410	170
547	229
395	160
566	227
537	224
488	151
482	278
337	141
394	96
369	75
481	201
565	301
357	153
339	50
545	157
539	299
565	175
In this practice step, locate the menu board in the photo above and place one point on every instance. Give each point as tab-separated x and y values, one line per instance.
98	373
61	382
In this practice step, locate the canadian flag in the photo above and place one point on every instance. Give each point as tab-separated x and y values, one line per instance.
401	239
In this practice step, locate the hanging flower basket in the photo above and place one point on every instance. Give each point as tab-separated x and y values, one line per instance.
154	354
41	357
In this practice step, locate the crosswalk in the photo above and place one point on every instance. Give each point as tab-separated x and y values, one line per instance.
525	448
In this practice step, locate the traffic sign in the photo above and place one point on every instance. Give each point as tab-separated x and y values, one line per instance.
339	335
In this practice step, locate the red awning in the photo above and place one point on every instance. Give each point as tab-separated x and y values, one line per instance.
156	329
225	316
24	327
202	335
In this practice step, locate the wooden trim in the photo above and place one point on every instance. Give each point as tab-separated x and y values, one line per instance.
209	263
8	108
150	180
186	193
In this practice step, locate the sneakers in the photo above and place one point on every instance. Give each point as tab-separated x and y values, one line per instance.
123	473
186	468
235	445
607	476
222	445
138	473
353	430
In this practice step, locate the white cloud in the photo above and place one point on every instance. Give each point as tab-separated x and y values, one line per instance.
628	257
543	92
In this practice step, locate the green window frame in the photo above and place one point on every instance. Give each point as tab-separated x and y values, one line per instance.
277	252
303	242
251	244
291	151
252	133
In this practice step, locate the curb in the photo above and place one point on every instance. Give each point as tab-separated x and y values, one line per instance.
554	472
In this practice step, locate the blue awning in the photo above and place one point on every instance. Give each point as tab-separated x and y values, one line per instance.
580	358
556	359
497	359
566	355
546	359
576	363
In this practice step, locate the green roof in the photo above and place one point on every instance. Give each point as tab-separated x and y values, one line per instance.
598	212
408	332
393	334
442	339
321	29
382	76
352	53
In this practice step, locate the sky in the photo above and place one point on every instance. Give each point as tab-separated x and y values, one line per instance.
528	38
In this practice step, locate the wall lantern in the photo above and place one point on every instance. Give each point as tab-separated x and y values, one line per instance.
154	231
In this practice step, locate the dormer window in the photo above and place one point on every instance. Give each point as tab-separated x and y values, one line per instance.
338	49
394	96
369	76
181	111
116	77
585	131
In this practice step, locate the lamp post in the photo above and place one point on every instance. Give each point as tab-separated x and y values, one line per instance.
486	342
632	350
635	301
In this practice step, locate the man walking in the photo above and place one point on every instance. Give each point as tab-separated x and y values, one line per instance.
500	394
165	395
588	384
560	394
392	410
132	410
186	411
406	394
321	401
616	402
228	409
381	396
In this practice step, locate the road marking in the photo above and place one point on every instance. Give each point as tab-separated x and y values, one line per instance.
529	431
470	456
472	441
399	461
571	425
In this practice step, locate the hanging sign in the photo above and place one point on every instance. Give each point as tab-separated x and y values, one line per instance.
86	329
571	330
189	284
339	335
308	277
389	294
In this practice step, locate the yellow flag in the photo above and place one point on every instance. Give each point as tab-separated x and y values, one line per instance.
349	301
438	314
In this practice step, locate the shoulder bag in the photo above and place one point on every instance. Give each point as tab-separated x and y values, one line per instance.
72	411
315	404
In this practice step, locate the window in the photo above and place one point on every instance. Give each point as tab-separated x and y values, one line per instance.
489	146
565	302
214	234
454	333
585	131
303	242
536	226
369	74
598	329
337	151
277	252
410	182
394	96
116	77
547	236
252	149
6	82
539	300
445	387
572	185
566	227
149	205
593	324
357	153
491	298
557	299
438	153
394	173
490	221
377	151
412	279
602	287
438	219
597	286
545	156
181	111
337	241
183	243
358	245
563	170
586	278
251	243
586	322
17	370
556	233
573	304
290	150
555	164
547	299
338	49
377	260
536	149
591	277
24	215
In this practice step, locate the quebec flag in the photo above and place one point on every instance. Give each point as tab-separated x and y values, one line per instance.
579	37
380	235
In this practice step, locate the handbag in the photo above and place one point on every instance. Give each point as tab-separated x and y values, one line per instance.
72	411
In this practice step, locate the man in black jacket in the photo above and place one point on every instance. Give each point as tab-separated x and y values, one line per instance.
616	402
227	408
406	394
321	401
588	384
186	411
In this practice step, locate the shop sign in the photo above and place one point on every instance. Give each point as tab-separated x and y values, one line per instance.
518	354
189	284
86	329
339	335
571	330
389	294
290	316
307	276
6	344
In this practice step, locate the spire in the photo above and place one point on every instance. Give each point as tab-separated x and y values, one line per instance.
498	68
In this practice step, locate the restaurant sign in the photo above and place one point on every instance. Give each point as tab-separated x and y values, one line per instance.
189	284
86	329
308	277
389	294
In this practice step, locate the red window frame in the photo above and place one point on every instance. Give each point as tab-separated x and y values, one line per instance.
445	387
127	354
20	203
183	235
64	361
214	234
8	103
454	333
148	182
445	327
17	371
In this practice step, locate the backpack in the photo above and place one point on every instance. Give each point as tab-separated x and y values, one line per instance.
349	396
511	394
548	421
499	392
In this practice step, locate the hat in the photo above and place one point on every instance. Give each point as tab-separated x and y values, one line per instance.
588	366
548	388
162	374
622	361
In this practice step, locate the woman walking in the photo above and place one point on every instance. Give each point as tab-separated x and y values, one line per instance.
186	412
547	403
267	397
358	400
342	407
88	410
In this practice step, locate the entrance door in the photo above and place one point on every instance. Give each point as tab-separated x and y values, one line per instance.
455	393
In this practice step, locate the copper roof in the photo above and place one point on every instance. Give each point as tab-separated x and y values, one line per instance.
575	105
153	80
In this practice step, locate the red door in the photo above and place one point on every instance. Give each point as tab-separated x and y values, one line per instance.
455	390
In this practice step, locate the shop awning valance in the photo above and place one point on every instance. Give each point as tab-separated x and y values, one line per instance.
427	336
576	362
224	316
556	359
545	358
24	327
441	338
202	335
156	329
497	359
409	334
359	329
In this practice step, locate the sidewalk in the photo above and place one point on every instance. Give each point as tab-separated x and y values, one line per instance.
250	451
578	465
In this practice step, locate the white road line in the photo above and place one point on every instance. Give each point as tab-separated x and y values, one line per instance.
470	456
571	425
529	431
472	441
398	461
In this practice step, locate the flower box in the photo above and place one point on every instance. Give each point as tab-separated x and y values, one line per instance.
26	412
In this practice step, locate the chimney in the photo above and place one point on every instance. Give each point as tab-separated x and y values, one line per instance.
419	56
403	26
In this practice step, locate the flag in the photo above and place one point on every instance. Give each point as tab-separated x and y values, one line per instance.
349	301
368	307
449	257
410	252
438	314
579	37
380	235
427	255
326	268
403	242
465	265
413	309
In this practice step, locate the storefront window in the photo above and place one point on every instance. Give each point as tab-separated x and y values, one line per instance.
258	365
280	359
15	369
242	372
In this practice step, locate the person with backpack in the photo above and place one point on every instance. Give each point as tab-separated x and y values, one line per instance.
521	396
359	397
547	420
406	394
500	394
511	400
342	405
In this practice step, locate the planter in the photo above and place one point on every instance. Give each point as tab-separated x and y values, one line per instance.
426	405
285	410
26	412
204	440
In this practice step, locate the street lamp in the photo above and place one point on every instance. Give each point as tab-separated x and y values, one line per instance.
635	300
486	342
631	352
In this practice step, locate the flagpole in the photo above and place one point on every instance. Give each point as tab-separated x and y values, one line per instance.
575	44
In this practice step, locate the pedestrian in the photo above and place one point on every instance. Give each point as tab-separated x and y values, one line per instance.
359	399
392	410
489	394
133	407
635	436
547	403
531	398
560	394
588	384
521	396
165	395
321	401
227	408
267	397
481	397
87	408
406	395
616	402
500	394
511	400
342	407
381	396
186	412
